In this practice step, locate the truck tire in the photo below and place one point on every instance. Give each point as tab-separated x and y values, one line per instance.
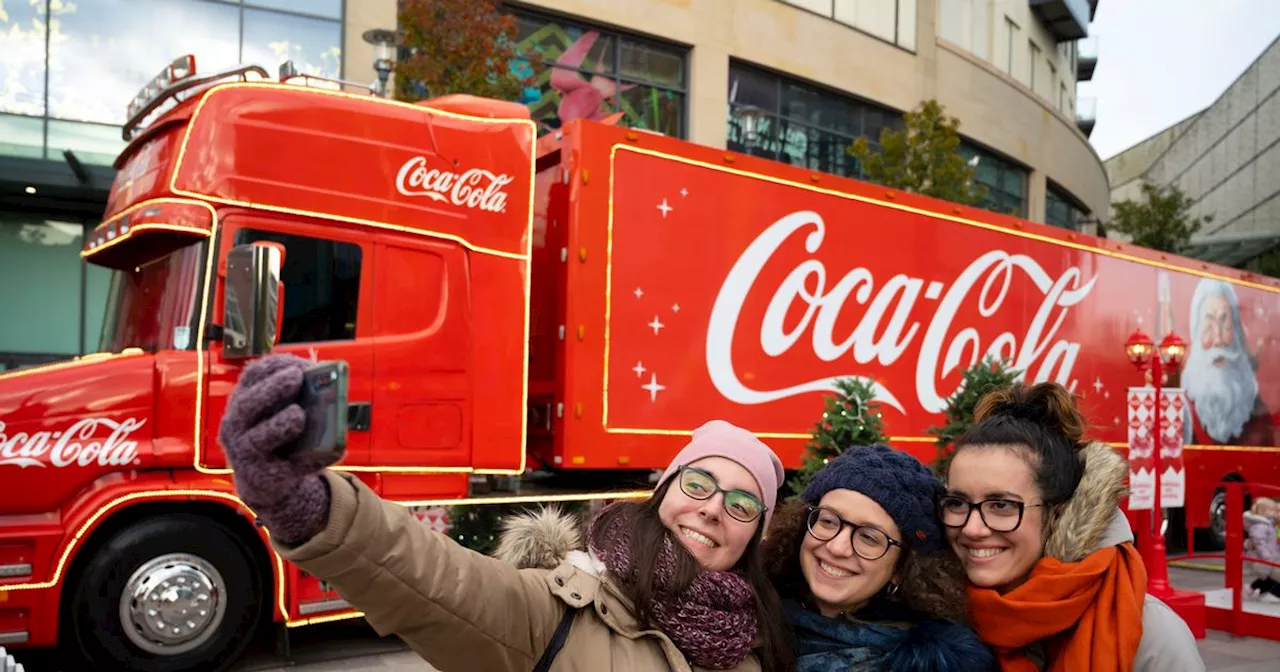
191	572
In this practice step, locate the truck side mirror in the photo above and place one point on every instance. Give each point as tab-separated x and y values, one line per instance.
252	307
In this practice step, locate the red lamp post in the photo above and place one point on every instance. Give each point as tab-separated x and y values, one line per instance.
1143	354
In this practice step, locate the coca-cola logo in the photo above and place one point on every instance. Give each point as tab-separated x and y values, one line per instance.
888	325
82	444
475	188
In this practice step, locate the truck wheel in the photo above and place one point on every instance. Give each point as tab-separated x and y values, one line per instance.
1218	515
1218	520
175	592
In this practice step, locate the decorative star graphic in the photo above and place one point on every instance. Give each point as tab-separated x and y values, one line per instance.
1097	385
639	369
639	292
684	192
656	325
653	387
675	308
665	208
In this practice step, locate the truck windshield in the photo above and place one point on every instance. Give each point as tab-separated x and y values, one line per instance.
154	306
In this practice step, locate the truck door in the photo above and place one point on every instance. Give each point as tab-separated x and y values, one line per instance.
328	283
422	354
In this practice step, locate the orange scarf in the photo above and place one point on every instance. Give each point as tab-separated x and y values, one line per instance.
1087	613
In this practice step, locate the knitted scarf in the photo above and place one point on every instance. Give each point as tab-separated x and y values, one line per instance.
712	622
1089	613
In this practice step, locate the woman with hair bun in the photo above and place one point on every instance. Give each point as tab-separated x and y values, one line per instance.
1055	583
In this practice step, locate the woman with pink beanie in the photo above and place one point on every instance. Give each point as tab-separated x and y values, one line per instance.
673	582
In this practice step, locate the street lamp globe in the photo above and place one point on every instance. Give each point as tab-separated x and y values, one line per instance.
1139	348
384	51
1173	350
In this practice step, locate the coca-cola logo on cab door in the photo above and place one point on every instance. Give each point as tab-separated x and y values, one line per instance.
87	442
475	188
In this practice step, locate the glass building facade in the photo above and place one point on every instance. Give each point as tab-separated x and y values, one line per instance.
1006	181
788	120
68	73
594	73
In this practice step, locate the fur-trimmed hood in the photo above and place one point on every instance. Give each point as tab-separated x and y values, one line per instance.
543	539
1092	519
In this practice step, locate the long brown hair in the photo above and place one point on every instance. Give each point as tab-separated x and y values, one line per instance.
648	533
930	586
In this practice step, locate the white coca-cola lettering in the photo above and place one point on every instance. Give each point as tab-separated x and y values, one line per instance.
476	188
81	444
882	341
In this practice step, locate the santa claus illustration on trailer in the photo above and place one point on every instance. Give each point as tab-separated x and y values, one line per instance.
1219	376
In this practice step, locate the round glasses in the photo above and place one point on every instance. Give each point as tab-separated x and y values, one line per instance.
739	504
870	543
1000	515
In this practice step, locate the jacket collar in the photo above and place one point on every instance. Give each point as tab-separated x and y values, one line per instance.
1092	518
552	540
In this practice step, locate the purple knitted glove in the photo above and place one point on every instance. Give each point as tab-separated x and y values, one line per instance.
286	492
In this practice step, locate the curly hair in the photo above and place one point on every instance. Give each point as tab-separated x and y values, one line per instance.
931	585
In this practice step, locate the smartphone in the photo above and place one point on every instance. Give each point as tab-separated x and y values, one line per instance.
324	401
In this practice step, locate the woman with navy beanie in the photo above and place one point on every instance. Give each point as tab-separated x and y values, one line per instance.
866	579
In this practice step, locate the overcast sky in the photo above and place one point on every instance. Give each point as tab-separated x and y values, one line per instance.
1159	61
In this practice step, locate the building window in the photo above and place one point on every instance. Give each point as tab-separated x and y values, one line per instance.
1006	182
100	54
893	21
1012	29
799	124
321	286
981	30
597	73
1060	209
1033	62
63	318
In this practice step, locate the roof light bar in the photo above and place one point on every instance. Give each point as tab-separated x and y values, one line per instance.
181	68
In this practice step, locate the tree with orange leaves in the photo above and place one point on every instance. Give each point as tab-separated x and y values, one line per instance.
459	46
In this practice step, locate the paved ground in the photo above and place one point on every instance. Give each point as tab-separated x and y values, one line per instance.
352	645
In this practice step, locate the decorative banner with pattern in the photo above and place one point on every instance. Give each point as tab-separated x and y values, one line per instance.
1142	414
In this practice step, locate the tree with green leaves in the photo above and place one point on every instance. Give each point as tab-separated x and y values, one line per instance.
922	157
983	377
1160	220
850	418
459	46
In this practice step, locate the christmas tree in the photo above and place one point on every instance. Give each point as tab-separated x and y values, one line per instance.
851	418
990	374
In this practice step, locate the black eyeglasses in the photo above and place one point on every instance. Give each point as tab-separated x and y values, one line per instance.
870	543
739	504
1001	515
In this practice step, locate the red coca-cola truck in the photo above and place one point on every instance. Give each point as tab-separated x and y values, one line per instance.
526	319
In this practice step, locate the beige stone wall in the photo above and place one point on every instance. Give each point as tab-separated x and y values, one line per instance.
1130	164
1226	158
994	109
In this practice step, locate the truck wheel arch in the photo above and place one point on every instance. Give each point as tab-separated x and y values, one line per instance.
219	507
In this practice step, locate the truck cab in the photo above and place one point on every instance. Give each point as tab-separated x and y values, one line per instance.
251	215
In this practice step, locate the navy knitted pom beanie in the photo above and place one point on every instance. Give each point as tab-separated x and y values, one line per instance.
898	482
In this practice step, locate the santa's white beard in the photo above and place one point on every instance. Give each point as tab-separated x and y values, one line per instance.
1223	396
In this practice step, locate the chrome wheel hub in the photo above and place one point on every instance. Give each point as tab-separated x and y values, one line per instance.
173	604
